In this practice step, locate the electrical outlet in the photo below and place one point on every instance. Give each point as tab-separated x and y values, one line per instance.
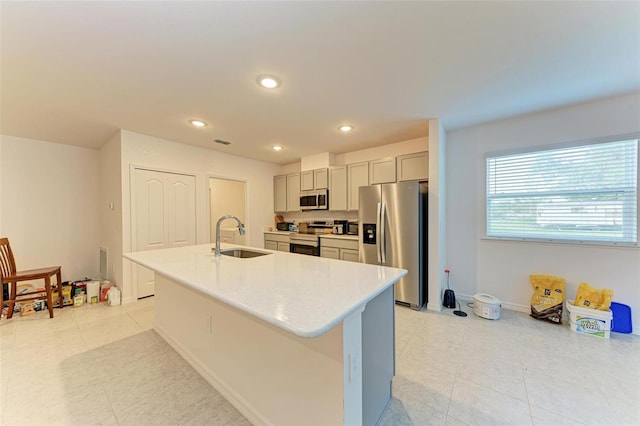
353	362
355	366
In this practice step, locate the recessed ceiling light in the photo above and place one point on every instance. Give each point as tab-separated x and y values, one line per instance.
345	128
276	148
268	81
198	123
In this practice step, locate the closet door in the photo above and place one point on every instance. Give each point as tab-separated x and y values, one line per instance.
165	216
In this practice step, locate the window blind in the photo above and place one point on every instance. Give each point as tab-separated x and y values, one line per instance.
585	193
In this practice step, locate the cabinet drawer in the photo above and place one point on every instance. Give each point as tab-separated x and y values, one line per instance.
339	243
277	238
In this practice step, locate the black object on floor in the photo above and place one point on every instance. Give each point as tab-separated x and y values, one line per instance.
460	312
449	299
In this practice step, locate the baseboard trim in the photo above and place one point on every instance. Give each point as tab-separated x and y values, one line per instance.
466	298
435	307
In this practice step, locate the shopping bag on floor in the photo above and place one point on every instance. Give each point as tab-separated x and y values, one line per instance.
548	297
593	298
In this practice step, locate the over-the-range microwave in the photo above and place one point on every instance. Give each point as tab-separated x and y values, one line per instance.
314	200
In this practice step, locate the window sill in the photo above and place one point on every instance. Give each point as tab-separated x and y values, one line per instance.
552	242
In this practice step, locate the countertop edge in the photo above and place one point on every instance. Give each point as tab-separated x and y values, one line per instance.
307	333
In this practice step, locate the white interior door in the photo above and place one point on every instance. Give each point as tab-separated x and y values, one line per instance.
165	216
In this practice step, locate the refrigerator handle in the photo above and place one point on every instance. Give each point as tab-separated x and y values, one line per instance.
378	244
383	235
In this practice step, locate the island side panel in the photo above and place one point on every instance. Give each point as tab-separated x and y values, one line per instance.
270	375
378	361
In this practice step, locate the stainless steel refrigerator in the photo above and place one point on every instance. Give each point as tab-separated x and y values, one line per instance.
392	232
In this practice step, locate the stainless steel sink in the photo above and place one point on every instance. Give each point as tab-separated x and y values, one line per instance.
243	253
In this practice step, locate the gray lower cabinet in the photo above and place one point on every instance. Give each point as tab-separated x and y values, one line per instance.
270	245
339	248
276	242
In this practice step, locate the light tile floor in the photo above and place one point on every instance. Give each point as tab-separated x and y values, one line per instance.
99	365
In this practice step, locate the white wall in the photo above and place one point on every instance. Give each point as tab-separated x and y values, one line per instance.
111	213
49	205
162	154
436	215
501	268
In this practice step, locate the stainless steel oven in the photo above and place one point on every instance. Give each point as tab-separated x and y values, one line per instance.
308	244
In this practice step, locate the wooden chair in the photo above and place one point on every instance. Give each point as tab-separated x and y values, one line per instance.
10	276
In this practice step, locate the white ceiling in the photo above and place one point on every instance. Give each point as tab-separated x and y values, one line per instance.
75	72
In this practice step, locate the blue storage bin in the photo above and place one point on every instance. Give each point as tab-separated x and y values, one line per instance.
621	318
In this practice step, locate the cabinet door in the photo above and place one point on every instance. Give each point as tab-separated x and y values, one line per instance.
382	171
280	193
293	192
320	179
283	246
357	176
271	245
330	252
413	166
338	188
306	180
349	255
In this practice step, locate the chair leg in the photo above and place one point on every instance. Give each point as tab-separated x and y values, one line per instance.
13	288
47	287
1	299
59	278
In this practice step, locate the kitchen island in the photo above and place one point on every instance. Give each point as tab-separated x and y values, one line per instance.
286	338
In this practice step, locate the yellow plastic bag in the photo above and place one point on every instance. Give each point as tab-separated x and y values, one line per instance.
593	298
548	297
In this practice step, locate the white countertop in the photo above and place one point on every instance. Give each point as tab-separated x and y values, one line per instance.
336	236
305	295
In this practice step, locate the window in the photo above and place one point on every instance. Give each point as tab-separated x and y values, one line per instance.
586	193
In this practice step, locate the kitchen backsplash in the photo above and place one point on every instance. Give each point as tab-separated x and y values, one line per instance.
319	215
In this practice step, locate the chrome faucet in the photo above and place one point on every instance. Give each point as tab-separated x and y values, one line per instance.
222	219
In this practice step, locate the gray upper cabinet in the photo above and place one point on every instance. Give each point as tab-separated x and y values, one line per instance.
357	176
293	192
338	188
413	166
280	193
382	171
306	180
314	179
321	179
344	182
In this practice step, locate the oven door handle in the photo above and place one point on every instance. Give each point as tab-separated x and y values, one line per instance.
303	243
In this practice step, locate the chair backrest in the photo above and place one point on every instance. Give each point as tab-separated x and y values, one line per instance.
7	262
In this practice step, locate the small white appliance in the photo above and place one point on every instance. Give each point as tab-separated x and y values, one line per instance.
486	306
